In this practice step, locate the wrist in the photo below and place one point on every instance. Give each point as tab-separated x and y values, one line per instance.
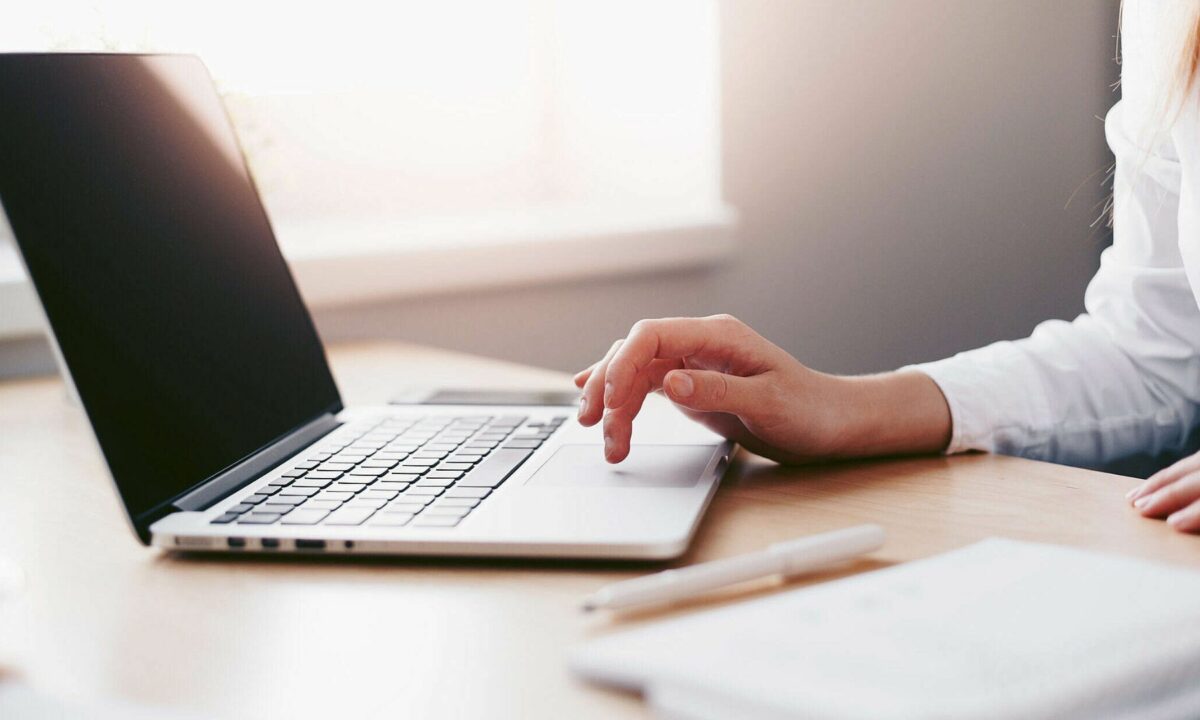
892	413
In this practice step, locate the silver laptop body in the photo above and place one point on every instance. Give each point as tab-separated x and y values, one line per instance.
176	318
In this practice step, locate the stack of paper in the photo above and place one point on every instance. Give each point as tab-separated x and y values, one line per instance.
1000	629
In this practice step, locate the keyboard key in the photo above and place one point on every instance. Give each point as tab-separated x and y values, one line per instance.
336	466
468	492
292	491
417	500
349	516
408	507
389	455
323	474
392	519
445	510
255	499
371	472
306	465
304	516
241	508
467	502
338	495
224	519
311	482
423	520
377	462
376	494
317	504
434	482
390	485
359	503
419	462
454	466
445	474
522	444
292	473
427	491
402	477
348	487
257	518
465	458
283	501
496	468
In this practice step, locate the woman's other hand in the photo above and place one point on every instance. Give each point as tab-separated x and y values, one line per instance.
1172	493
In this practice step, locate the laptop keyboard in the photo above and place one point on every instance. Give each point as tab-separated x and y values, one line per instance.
419	471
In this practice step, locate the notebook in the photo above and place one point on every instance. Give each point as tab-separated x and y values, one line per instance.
999	629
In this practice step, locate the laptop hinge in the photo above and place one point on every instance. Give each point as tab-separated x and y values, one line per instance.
221	486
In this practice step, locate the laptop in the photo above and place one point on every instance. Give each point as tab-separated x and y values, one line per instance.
204	380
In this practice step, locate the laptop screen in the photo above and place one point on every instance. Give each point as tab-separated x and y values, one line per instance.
152	255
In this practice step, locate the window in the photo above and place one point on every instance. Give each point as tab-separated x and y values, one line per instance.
464	143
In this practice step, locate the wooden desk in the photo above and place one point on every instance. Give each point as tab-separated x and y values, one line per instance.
250	637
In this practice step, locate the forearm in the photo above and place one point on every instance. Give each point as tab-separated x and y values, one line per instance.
896	413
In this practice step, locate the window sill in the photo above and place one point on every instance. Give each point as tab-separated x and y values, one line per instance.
374	261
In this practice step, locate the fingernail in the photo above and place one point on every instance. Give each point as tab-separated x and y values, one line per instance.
1141	502
1129	495
682	385
608	393
608	446
582	406
1174	520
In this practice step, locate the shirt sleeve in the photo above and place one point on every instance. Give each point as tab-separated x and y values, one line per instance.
1122	379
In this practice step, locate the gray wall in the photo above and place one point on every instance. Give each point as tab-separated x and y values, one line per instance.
902	169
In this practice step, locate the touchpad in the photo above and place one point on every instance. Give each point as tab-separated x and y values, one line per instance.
648	466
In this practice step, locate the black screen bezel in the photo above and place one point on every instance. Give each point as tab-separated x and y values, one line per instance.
165	504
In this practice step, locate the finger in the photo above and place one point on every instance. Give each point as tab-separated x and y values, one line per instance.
712	391
591	401
582	376
1165	477
618	429
1187	519
618	423
1166	500
677	338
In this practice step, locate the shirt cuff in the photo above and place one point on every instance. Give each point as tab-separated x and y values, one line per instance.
959	383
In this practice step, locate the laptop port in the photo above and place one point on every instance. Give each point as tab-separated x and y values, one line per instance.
270	543
236	542
310	544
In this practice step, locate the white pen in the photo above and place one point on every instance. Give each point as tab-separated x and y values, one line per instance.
790	558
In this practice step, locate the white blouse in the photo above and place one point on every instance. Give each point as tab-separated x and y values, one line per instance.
1122	379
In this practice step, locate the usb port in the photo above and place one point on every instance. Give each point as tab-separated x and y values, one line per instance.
310	544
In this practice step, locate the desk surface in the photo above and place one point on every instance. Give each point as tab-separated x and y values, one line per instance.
228	637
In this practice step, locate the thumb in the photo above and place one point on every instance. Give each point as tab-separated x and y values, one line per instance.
710	391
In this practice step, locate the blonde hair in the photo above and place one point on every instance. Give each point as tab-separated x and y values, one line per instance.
1189	59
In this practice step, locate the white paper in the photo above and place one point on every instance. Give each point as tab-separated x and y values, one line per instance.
999	629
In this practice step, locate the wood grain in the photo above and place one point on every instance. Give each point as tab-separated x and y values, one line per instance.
249	637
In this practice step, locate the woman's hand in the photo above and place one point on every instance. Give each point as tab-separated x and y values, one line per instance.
1173	493
731	379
